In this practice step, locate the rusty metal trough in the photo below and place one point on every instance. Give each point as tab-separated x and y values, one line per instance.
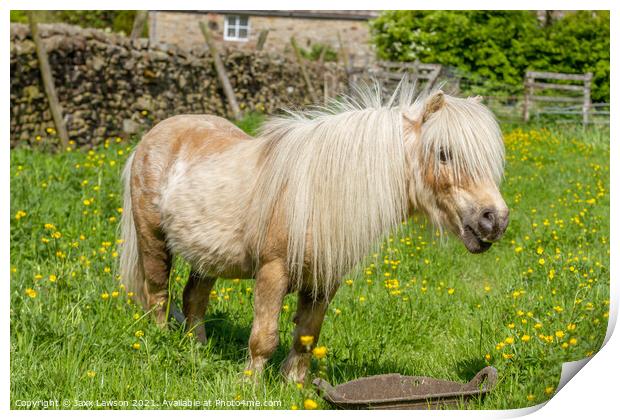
395	391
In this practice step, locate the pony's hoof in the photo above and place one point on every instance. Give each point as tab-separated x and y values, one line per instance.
161	321
198	332
201	337
294	376
159	315
295	368
250	376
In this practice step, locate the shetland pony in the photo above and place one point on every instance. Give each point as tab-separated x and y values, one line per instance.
301	204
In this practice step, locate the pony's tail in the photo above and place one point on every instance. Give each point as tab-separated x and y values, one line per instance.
132	274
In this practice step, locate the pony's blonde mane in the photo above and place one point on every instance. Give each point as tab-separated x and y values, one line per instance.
338	177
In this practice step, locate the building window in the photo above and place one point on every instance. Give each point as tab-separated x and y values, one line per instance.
236	28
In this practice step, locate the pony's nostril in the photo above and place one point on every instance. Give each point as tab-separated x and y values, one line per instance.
488	220
489	215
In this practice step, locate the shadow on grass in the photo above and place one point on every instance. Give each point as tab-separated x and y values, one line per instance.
229	337
226	336
467	369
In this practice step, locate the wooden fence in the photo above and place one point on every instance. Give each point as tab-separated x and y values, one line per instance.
390	73
542	87
425	75
545	93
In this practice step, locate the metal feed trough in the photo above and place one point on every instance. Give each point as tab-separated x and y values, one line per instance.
394	391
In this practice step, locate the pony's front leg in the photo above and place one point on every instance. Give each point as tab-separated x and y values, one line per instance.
269	291
309	319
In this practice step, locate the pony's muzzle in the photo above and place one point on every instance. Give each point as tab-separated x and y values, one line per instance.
492	224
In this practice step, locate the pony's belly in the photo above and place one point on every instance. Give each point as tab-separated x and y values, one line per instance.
204	207
211	249
206	226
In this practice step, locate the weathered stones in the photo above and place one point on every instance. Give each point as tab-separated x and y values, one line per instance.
109	86
97	63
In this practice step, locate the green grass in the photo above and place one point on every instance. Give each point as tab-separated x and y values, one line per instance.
417	307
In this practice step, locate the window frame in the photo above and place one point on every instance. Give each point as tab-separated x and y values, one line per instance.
237	28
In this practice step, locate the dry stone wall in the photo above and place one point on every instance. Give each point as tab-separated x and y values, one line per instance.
109	86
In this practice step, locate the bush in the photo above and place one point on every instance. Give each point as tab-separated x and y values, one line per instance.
317	50
114	20
577	43
499	46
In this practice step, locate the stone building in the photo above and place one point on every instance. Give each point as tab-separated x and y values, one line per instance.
241	29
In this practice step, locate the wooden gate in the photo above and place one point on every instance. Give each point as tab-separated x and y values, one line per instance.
542	86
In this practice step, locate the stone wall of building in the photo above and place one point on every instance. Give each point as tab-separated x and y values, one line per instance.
183	29
109	86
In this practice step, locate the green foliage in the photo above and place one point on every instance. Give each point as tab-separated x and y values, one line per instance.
19	16
316	50
577	43
250	122
115	20
499	46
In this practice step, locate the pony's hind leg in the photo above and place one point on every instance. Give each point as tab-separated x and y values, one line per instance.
195	301
142	186
309	319
156	262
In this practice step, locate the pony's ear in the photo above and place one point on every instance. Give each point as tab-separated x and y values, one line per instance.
433	104
410	121
476	98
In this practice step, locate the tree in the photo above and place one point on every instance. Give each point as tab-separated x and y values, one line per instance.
499	46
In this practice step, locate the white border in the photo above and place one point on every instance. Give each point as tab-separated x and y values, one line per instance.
593	391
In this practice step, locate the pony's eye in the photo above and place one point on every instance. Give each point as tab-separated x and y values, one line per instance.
444	155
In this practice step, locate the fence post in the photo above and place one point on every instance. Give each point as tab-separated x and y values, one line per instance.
48	81
344	53
304	72
138	24
587	86
221	71
529	91
262	38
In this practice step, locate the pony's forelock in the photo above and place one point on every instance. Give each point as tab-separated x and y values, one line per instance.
468	133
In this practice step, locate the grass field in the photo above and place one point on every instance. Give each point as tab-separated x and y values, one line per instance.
536	299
